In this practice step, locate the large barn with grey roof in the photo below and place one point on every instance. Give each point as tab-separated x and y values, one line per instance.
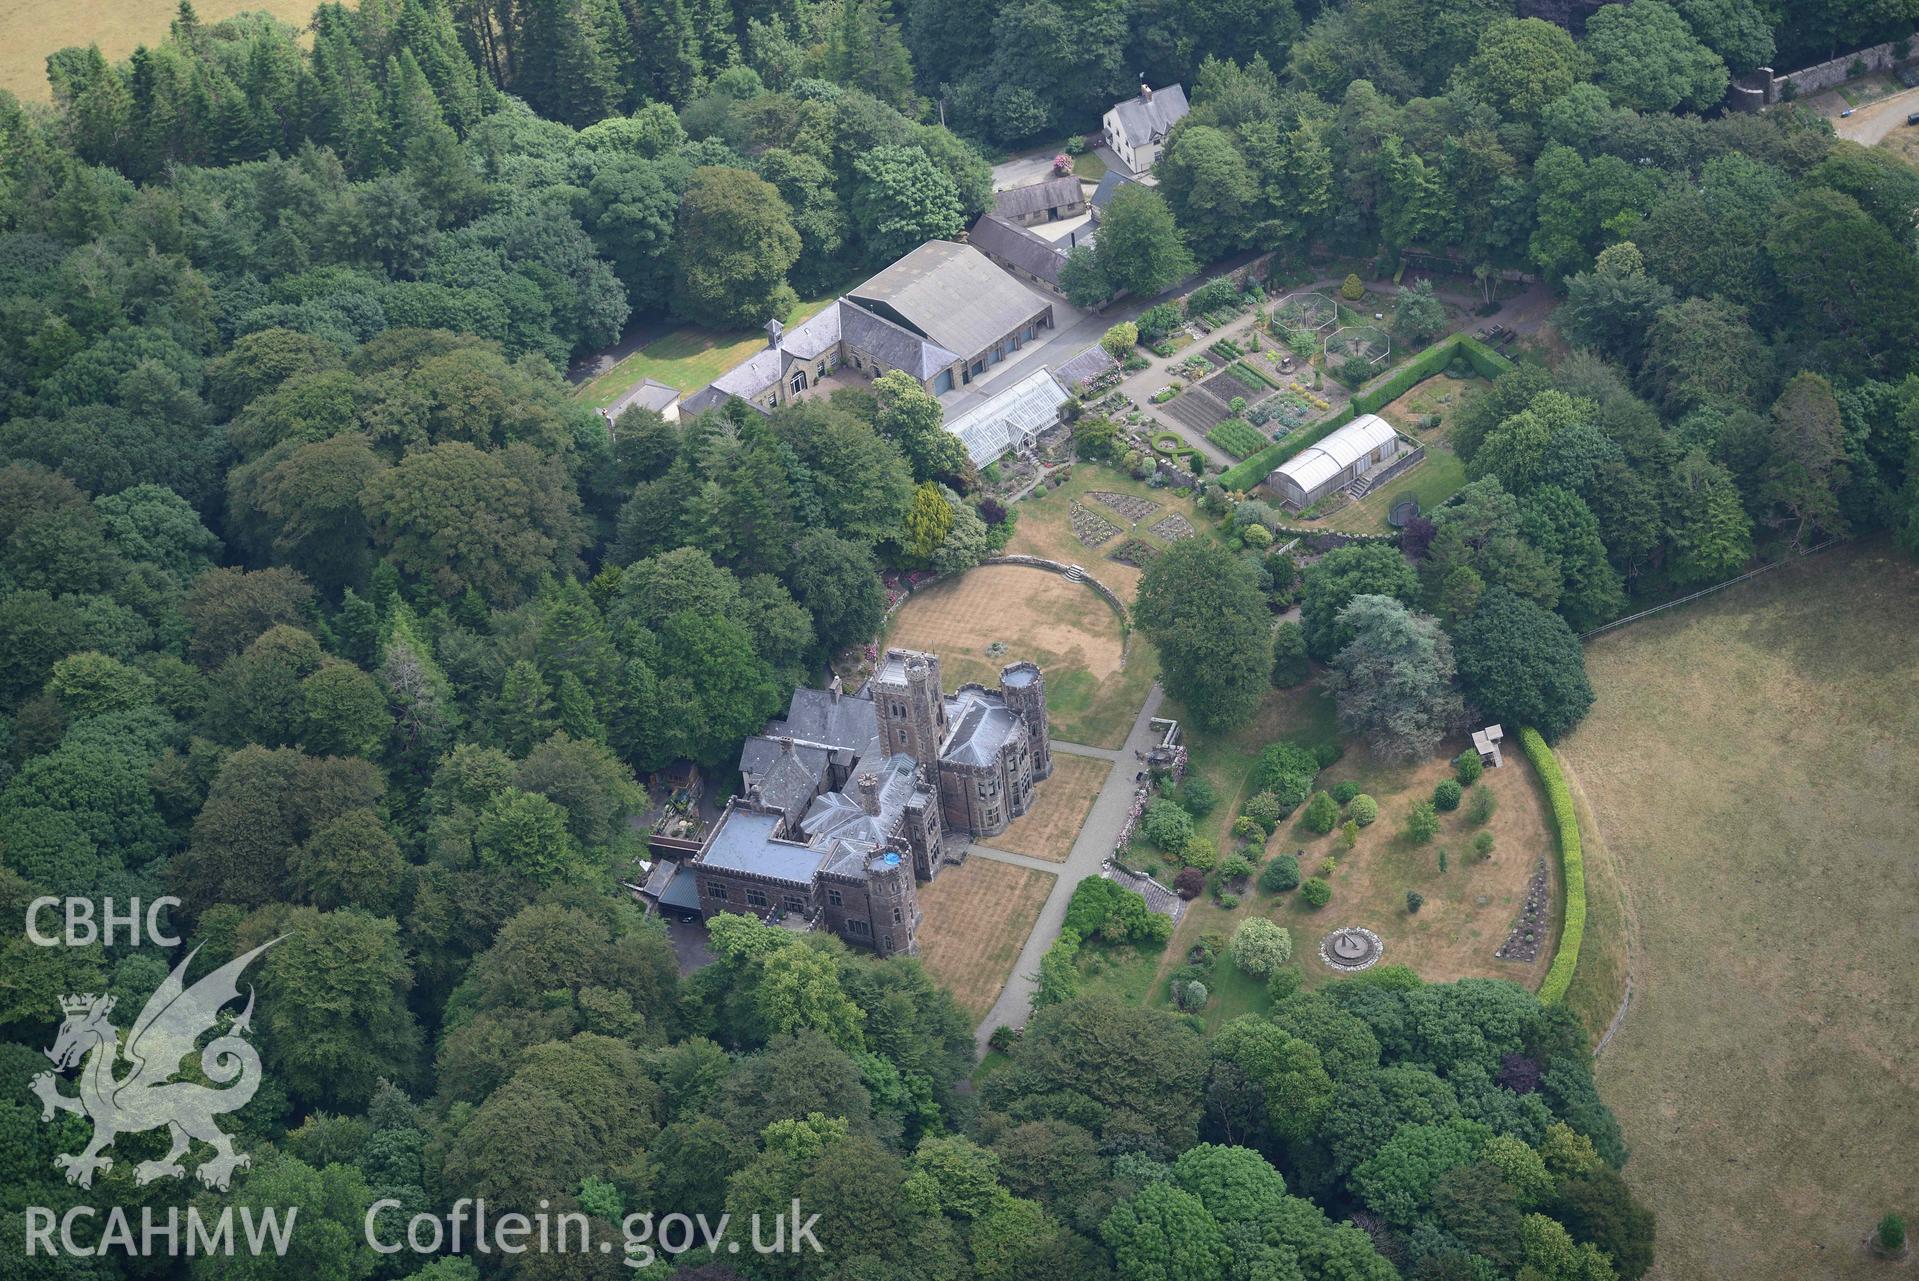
944	314
849	800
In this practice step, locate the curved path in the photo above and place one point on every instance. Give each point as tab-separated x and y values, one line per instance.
1097	835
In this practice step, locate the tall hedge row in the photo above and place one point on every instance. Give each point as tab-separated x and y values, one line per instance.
1485	362
1572	866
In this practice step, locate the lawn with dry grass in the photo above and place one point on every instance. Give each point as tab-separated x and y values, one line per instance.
30	30
1060	806
1750	766
977	917
1066	628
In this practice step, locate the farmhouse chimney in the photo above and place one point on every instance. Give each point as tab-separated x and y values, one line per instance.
870	793
1145	92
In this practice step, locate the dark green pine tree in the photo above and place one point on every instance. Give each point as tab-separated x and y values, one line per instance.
347	105
667	44
425	29
563	67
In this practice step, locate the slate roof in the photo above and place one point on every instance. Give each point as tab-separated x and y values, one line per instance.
1143	120
981	725
1010	242
744	842
787	779
1054	193
816	716
1079	370
1108	188
650	393
893	346
952	294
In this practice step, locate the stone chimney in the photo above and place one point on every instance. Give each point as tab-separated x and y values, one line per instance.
773	331
870	793
1145	92
834	688
786	747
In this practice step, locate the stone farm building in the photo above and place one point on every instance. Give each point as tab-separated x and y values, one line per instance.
1136	129
944	314
1335	461
1038	202
1026	255
850	799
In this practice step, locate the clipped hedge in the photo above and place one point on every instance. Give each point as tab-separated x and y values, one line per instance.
1572	866
1485	362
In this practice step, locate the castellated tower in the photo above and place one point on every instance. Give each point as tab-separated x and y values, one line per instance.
912	711
1025	692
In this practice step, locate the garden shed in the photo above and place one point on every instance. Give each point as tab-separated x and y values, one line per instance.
1012	419
1338	459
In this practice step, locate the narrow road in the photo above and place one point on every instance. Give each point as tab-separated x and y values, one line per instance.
1872	122
1095	842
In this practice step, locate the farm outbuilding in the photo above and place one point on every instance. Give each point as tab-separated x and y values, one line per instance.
1326	465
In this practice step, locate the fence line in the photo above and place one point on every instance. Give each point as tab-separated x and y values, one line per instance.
1707	591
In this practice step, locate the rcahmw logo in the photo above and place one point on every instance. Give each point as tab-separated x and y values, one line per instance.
146	1096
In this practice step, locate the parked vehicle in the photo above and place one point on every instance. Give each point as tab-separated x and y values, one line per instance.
1913	119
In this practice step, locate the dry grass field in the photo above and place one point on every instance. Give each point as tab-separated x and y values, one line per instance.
1065	627
1059	809
977	916
32	29
1750	765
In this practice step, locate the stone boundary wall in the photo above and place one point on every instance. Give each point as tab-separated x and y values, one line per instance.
1765	86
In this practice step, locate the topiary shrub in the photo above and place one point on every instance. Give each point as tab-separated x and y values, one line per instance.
1414	900
1344	792
1192	996
1890	1239
1322	812
1483	844
1481	807
1316	892
1190	883
1363	809
1281	874
1352	289
1422	824
1199	851
1283	983
1467	767
1348	834
1246	829
1446	794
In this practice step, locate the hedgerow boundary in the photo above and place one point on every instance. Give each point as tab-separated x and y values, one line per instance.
1572	865
1485	362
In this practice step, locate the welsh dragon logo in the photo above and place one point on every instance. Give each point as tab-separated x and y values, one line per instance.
146	1098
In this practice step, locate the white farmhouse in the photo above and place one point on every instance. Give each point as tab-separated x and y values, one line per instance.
1136	128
